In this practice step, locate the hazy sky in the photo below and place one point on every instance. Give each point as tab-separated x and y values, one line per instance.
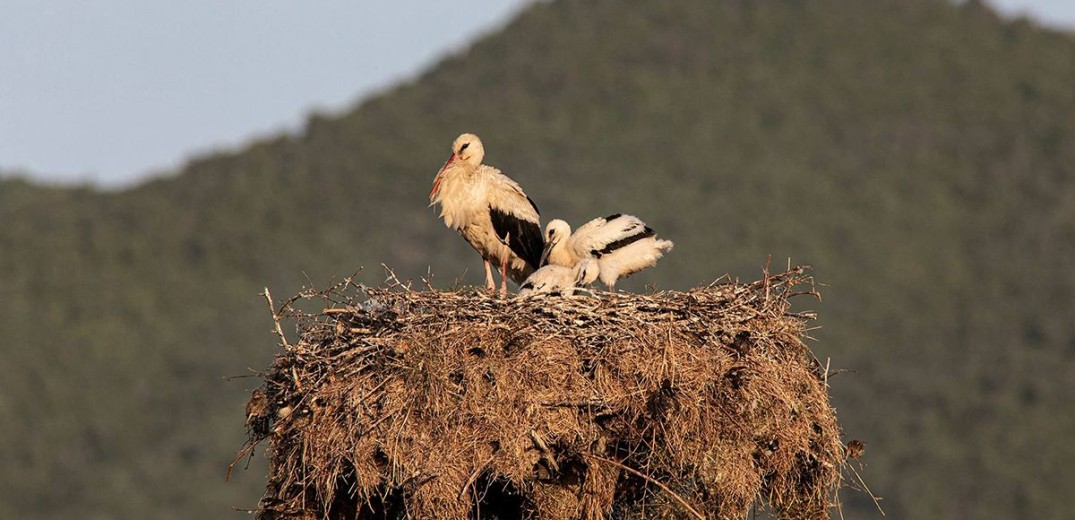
112	90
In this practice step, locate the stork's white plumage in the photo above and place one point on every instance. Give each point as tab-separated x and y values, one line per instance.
490	211
557	280
621	244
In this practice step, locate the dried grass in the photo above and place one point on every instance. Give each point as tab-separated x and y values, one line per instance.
429	404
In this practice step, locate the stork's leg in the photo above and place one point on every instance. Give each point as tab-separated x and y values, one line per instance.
490	283
504	277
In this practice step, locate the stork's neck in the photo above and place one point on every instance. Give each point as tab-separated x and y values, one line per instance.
461	194
559	254
462	170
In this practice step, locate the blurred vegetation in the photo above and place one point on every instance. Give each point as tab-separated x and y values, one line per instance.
919	153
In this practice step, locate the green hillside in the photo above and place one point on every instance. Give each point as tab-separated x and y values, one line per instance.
919	154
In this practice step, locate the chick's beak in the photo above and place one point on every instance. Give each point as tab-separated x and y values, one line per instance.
545	253
440	177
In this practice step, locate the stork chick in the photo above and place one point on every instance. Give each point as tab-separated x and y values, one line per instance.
620	244
557	280
490	211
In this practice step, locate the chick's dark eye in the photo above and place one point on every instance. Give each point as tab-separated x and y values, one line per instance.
464	147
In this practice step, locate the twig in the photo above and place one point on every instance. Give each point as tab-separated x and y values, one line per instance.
243	376
474	476
276	319
295	377
876	501
839	371
391	277
766	278
648	478
591	404
249	448
378	423
540	443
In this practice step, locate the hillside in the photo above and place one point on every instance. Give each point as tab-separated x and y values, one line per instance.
919	154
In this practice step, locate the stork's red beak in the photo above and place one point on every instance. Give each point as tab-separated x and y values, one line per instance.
440	177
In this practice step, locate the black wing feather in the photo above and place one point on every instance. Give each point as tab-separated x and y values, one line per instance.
522	236
533	205
647	232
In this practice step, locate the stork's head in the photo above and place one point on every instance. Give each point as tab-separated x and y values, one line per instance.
467	150
555	232
587	271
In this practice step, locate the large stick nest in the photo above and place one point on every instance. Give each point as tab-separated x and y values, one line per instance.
425	404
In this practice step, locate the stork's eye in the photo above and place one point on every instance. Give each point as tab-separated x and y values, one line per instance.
464	147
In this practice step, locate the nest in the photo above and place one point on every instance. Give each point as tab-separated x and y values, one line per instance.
397	403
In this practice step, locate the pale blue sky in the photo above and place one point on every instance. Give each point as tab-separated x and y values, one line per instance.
114	90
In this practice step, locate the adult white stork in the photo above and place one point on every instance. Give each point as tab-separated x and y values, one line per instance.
557	280
621	244
490	211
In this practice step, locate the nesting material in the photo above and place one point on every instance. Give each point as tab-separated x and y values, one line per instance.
424	404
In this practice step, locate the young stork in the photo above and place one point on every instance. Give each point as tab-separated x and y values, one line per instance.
557	280
621	244
490	211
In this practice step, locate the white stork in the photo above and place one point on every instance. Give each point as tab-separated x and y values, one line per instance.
490	211
621	244
557	280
